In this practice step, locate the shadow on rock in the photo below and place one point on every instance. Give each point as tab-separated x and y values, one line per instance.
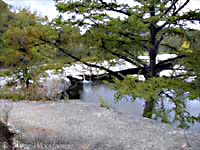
6	137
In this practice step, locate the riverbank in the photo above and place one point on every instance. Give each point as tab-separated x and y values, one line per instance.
85	126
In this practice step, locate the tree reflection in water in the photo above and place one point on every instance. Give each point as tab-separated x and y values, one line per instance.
179	112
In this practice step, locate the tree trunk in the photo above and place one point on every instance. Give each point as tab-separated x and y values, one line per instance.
152	55
149	104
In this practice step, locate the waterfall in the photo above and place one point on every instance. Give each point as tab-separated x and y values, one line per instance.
87	84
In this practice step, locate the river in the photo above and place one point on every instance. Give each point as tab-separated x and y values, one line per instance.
94	92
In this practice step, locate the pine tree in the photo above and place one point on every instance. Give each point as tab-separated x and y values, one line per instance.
125	31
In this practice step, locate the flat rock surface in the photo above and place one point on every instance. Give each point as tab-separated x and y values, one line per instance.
77	125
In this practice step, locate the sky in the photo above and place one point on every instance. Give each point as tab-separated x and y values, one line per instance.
42	7
47	7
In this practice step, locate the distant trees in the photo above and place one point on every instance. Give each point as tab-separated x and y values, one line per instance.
5	16
21	47
26	45
24	38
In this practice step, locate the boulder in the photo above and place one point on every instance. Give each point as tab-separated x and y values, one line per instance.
75	89
55	88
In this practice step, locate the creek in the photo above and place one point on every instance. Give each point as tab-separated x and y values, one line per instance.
93	92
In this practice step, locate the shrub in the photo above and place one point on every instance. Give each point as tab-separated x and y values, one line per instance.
103	103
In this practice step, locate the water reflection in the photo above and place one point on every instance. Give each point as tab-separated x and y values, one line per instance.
93	92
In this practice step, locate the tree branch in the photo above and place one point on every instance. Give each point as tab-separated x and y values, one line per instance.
109	8
167	64
173	14
168	46
107	76
169	8
116	54
134	39
115	74
180	8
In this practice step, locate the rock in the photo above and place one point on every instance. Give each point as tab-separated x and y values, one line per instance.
74	90
5	137
84	126
55	88
59	88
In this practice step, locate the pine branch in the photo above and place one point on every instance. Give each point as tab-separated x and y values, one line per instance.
167	64
108	7
115	74
119	55
169	8
173	14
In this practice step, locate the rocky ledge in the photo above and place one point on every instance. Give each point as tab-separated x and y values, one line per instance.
77	125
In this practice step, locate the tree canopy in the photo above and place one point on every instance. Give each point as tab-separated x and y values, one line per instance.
121	30
5	16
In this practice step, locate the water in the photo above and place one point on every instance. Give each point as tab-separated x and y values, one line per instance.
94	92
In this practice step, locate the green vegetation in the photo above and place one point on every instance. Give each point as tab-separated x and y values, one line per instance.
152	27
103	103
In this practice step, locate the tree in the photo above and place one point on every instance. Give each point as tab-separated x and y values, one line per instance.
141	28
25	49
21	45
192	50
5	17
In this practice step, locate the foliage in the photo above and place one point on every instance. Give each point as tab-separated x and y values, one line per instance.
162	92
151	27
22	38
5	17
103	103
25	84
192	62
25	50
25	40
